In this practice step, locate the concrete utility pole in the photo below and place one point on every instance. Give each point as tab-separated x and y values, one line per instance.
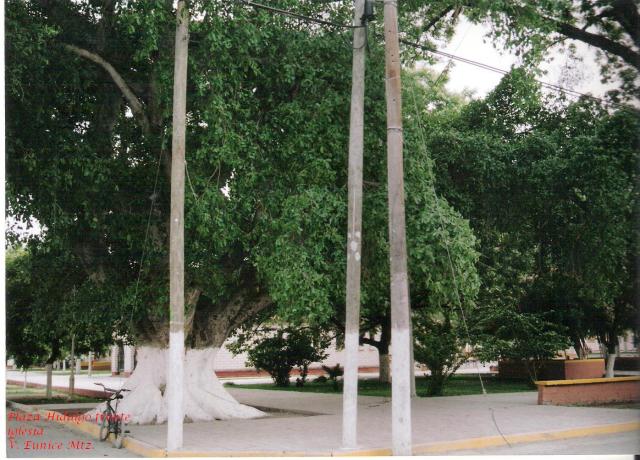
90	366
400	319
354	234
175	363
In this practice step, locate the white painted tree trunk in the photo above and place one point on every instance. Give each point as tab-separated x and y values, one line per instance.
114	360
49	368
611	362
205	398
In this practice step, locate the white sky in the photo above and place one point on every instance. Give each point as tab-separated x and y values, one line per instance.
470	42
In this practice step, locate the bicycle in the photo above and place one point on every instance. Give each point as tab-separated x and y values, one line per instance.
111	422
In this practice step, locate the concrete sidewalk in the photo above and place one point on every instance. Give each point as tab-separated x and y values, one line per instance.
440	425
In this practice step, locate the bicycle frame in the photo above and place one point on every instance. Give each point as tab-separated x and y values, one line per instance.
111	422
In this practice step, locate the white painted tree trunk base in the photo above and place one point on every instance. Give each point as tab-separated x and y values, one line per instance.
205	398
611	362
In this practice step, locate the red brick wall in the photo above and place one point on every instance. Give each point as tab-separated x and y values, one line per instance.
555	369
589	393
584	369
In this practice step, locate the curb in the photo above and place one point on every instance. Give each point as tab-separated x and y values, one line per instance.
147	450
494	441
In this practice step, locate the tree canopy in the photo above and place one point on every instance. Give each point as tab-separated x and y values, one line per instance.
266	156
531	28
551	191
549	188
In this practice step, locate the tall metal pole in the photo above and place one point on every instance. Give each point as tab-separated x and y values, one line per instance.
175	363
354	234
400	323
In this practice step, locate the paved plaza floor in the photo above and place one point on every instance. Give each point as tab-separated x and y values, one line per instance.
434	420
310	423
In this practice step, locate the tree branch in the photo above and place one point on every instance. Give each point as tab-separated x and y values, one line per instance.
369	341
435	20
627	54
625	12
136	106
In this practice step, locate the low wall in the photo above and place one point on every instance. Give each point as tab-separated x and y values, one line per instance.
589	391
555	369
583	369
96	365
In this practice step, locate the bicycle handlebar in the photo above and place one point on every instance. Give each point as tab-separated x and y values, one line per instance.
111	389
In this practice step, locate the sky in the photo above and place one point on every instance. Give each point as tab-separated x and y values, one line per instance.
470	42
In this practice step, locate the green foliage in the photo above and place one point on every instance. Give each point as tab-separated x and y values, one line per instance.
537	30
48	303
266	161
549	188
521	337
277	351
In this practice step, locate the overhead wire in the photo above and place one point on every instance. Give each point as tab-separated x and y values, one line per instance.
298	15
431	50
491	68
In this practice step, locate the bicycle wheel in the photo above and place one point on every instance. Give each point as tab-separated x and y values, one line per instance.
116	429
104	426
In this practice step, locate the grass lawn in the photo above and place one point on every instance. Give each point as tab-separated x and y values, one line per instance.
37	396
456	386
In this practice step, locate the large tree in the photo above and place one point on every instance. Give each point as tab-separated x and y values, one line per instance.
88	91
551	190
89	103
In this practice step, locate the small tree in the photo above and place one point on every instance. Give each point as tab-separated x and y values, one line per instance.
439	344
278	351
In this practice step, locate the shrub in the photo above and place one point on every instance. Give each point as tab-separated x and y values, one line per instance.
278	351
438	345
334	372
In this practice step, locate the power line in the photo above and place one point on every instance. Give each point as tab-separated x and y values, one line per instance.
416	45
297	15
491	68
